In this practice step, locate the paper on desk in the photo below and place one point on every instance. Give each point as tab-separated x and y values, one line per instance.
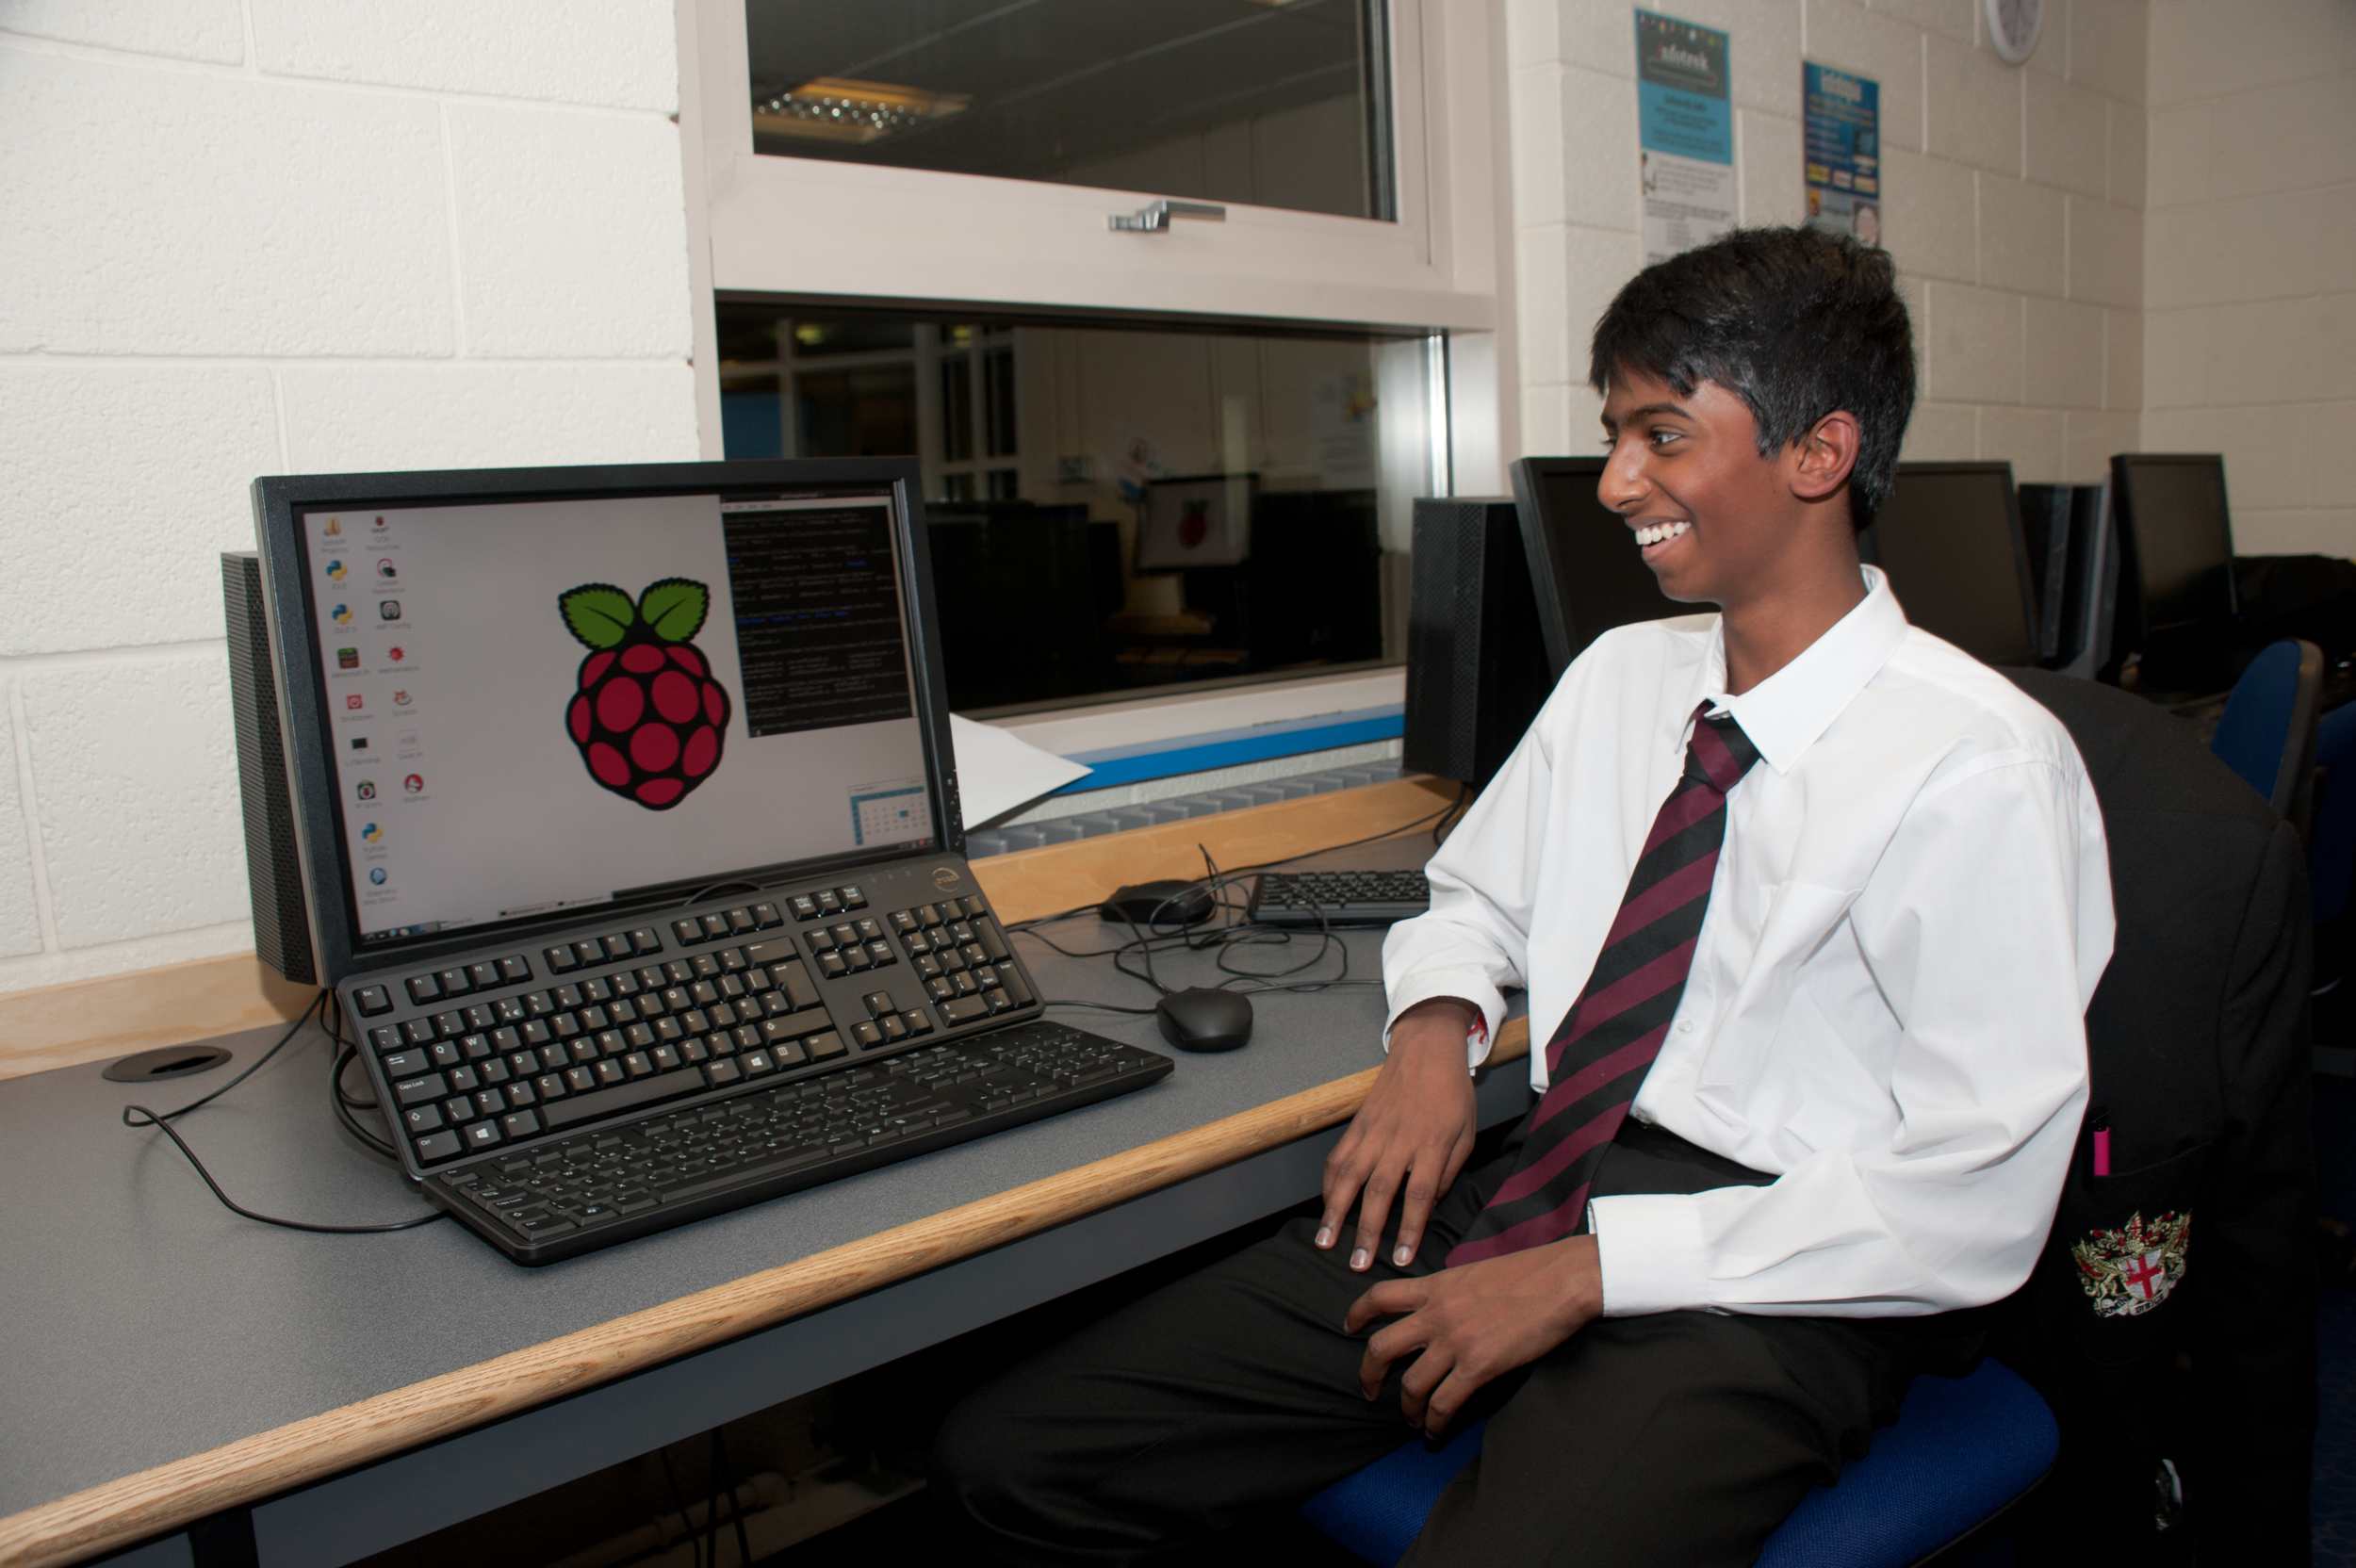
997	772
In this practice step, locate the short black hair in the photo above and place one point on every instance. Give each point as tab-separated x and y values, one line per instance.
1796	322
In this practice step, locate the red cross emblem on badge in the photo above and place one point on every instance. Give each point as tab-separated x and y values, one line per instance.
2143	1274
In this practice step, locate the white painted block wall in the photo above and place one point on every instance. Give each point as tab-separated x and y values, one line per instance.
250	237
2014	205
2250	335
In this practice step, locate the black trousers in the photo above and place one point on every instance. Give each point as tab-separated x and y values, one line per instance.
1180	1422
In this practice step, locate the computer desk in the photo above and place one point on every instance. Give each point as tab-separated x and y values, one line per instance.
186	1386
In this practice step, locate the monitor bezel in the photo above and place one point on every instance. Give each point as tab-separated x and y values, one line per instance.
2024	589
2123	466
279	502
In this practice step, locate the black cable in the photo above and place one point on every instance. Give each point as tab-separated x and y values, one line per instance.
162	1120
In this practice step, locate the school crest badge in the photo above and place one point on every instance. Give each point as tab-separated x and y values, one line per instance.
2130	1271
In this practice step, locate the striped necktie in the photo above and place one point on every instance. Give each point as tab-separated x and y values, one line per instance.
1606	1043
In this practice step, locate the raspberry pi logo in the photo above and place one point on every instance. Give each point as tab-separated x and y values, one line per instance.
647	716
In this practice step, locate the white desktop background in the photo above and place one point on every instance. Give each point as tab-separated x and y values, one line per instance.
509	819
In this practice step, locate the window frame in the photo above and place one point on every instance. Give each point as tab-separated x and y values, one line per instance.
1442	267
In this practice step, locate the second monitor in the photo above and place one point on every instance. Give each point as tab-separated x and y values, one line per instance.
1950	538
1583	564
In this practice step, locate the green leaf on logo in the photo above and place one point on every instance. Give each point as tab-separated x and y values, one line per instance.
598	613
675	607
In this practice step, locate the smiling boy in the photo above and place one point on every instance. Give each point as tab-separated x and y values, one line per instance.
1808	905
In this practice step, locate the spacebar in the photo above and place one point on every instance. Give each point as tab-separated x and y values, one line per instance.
622	1096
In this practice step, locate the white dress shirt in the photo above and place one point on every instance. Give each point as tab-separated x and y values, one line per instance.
1887	1004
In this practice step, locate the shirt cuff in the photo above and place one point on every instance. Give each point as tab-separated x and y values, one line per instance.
1648	1247
1467	984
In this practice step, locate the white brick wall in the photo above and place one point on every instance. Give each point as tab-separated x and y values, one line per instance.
250	236
2013	205
2249	340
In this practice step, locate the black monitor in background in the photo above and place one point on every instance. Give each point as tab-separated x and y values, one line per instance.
2073	553
999	561
1584	567
1950	539
2176	597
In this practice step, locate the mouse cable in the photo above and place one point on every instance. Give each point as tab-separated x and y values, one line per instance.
162	1122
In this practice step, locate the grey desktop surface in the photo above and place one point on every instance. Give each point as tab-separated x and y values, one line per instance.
143	1323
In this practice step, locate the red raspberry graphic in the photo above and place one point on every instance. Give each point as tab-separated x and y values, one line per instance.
648	718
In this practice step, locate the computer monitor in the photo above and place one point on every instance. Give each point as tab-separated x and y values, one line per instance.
1003	556
520	698
1200	520
2176	549
1950	539
2071	546
1584	562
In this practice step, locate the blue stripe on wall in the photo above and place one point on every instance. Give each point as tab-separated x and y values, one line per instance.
1232	748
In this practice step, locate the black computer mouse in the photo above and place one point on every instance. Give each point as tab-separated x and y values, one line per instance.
1167	903
1203	1019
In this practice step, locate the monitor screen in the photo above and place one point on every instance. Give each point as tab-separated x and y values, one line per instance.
1584	561
1950	539
2173	511
533	703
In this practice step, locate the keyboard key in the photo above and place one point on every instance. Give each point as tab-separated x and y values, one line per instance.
437	1146
421	1120
866	1035
803	905
484	974
617	946
720	1073
715	926
766	916
541	1226
687	932
643	941
829	902
423	988
404	1063
483	1135
606	1102
824	1047
961	1009
372	1000
589	950
560	959
879	953
417	1091
514	969
832	966
917	1022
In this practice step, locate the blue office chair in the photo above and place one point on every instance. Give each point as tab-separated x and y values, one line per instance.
2268	731
1962	1450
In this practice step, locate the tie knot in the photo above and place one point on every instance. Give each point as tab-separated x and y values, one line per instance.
1718	753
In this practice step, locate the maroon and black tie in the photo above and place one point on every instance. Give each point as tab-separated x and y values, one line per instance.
1606	1043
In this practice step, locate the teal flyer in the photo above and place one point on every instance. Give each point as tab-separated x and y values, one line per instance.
1685	133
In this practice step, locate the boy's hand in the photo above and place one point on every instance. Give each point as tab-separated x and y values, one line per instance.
1411	1137
1474	1323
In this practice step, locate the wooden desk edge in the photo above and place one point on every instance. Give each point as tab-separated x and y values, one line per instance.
121	1512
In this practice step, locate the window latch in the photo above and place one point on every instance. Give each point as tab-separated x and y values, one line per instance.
1154	217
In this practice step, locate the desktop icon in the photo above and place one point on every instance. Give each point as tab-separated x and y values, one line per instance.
352	702
335	571
335	528
366	790
414	784
400	700
376	876
388	608
359	742
395	653
341	614
386	570
347	658
371	833
648	717
379	522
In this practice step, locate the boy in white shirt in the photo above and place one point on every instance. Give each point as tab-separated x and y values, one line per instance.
1809	905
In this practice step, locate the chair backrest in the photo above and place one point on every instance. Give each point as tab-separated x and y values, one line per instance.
2267	733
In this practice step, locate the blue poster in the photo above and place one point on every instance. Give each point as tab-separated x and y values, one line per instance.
1842	151
1685	131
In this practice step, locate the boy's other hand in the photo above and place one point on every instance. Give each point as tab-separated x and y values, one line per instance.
1469	1325
1409	1139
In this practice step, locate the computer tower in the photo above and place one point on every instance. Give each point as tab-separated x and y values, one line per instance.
1476	668
273	867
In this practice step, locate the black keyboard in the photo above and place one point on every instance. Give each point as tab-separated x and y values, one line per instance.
593	1189
544	1048
1339	897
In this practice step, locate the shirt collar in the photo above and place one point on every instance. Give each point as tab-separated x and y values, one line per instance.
1784	714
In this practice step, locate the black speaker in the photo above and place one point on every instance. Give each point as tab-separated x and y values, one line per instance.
1477	670
273	869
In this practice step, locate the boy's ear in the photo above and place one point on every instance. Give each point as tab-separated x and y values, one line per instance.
1821	459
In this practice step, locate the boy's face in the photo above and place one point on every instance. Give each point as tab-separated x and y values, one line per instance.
1710	514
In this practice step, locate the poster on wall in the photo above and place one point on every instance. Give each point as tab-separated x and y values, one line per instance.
1842	151
1685	133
